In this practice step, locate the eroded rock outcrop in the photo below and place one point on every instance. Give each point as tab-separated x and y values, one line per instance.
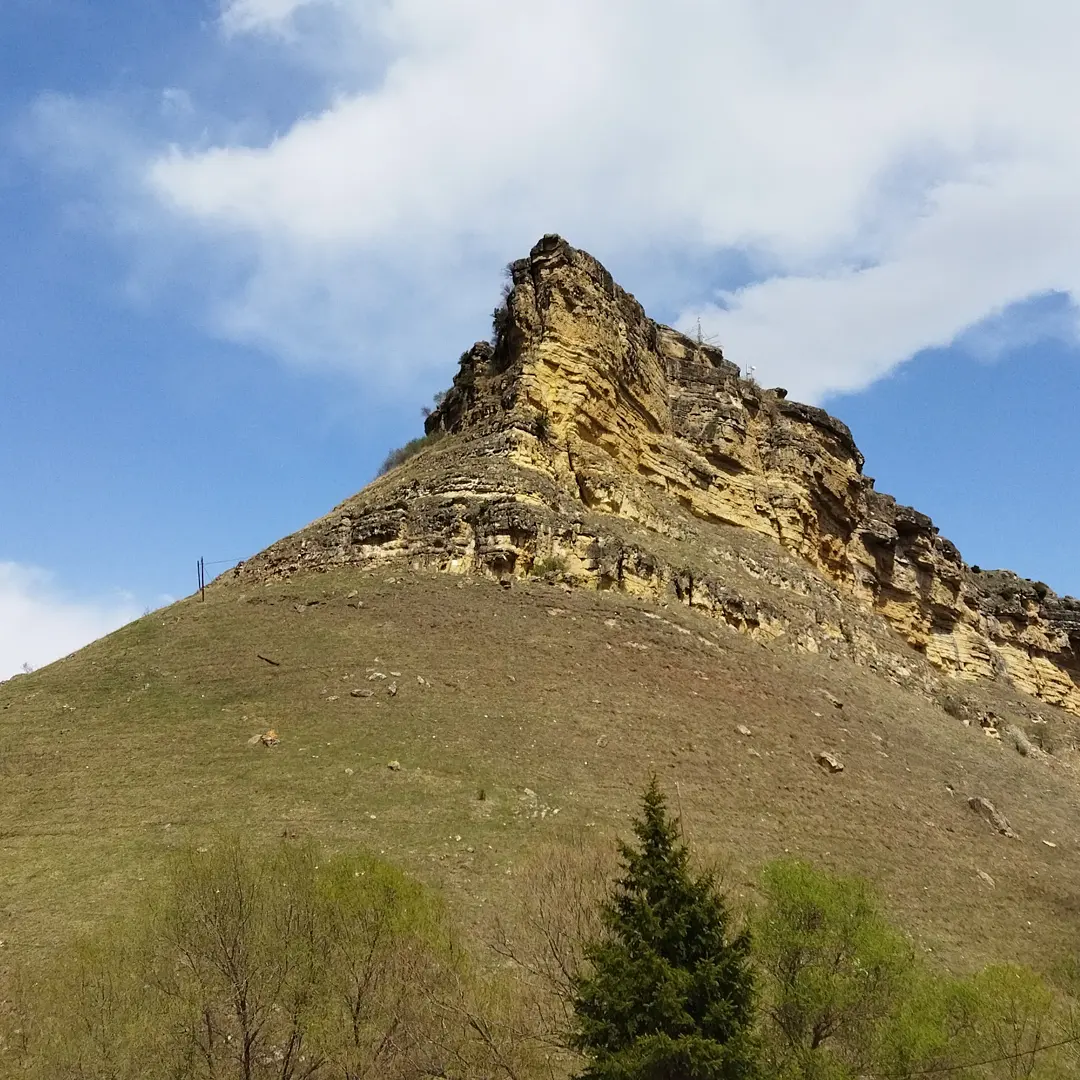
591	439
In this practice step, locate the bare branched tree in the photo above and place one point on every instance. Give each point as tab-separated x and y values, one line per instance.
542	935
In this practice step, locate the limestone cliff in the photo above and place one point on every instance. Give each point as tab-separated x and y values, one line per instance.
593	443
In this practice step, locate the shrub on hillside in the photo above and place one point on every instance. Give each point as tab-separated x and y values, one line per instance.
843	995
543	930
553	565
832	970
403	453
283	963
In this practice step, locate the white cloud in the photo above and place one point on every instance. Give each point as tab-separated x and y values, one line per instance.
39	625
898	174
978	249
244	16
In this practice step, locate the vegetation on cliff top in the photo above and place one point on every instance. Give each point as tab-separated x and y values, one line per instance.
409	450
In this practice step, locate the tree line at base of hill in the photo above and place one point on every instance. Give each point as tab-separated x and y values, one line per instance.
293	964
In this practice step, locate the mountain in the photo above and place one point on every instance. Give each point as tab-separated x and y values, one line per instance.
637	459
611	554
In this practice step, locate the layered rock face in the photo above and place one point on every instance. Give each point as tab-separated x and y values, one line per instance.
590	441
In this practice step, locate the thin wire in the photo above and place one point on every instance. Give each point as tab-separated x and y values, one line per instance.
978	1064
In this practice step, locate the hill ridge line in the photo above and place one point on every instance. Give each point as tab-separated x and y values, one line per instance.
590	441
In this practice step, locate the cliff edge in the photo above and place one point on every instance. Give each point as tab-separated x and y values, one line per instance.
594	445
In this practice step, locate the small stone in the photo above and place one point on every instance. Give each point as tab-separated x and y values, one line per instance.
834	701
829	761
394	766
392	689
361	693
376	675
1049	843
742	729
984	876
270	738
352	595
348	772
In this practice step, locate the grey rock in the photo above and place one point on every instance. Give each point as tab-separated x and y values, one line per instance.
829	761
991	815
1020	741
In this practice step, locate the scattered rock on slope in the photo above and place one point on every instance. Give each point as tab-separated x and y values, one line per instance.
829	761
991	814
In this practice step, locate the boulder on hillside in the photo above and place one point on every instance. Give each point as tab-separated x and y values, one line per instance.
991	815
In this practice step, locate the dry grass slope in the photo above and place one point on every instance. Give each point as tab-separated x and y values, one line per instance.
556	704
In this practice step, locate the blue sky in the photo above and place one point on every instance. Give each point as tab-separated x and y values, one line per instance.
242	242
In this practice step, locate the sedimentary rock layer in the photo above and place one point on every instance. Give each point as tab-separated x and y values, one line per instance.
585	418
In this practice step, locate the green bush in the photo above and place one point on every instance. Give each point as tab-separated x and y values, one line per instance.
549	564
832	969
436	401
844	996
410	449
283	963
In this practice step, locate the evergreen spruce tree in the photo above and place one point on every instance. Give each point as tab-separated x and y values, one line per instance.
670	991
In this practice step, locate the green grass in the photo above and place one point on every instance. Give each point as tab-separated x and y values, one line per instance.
115	755
409	450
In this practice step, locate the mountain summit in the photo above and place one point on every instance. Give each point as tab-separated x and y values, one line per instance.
589	441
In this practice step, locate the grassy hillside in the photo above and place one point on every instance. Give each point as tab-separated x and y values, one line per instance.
520	714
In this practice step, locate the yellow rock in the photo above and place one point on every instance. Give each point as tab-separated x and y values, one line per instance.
593	440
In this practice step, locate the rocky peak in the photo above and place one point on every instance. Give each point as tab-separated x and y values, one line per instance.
584	418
